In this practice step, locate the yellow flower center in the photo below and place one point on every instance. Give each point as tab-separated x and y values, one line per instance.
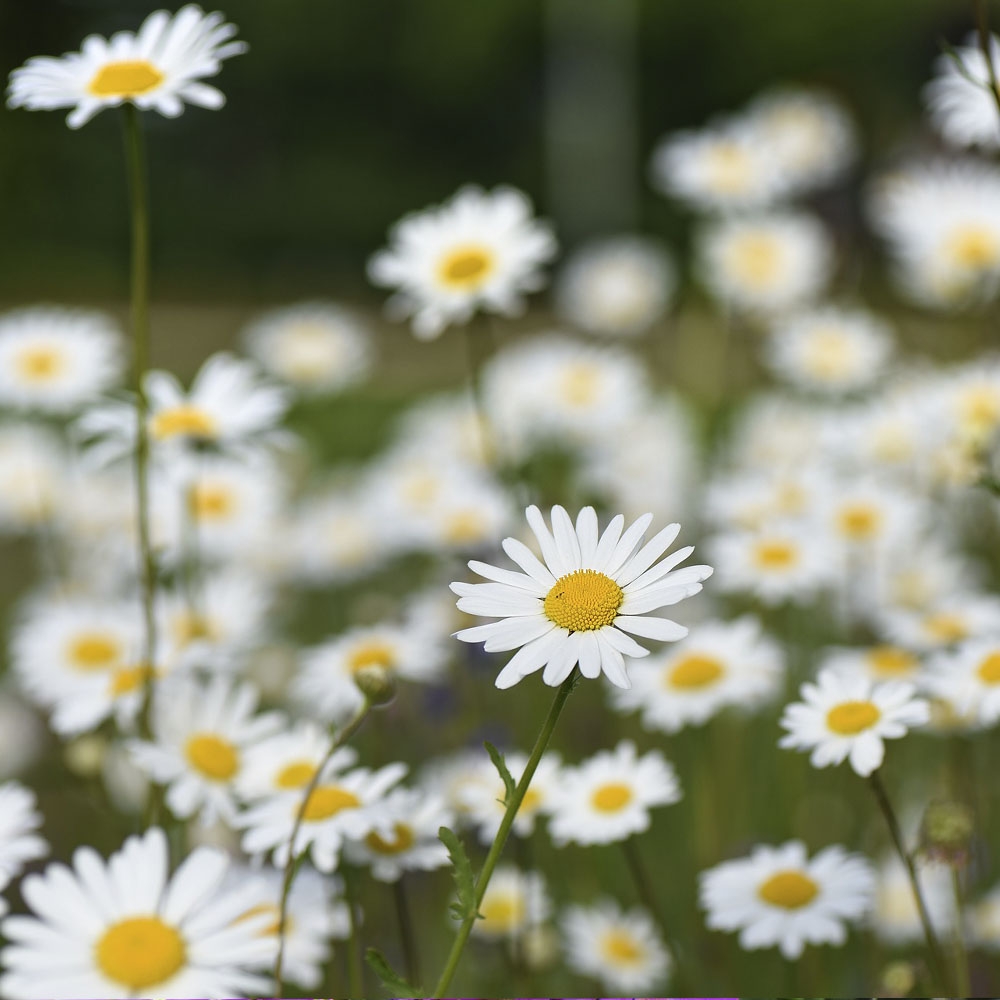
212	756
371	654
128	78
326	801
93	651
295	775
402	840
40	364
583	601
502	912
190	628
828	355
466	268
974	246
946	627
774	553
859	521
128	679
695	671
140	952
790	890
271	929
757	259
621	947
989	669
728	168
465	526
211	502
980	408
852	717
530	803
182	420
579	384
890	660
611	797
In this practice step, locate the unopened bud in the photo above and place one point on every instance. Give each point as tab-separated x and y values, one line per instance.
376	683
899	979
85	755
946	832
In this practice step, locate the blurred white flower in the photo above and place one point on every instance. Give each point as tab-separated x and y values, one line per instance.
514	904
19	838
33	466
895	917
968	677
960	98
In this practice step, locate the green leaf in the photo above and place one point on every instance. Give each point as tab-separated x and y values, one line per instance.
501	765
388	976
464	880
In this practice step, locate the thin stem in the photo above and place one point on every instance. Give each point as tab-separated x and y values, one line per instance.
291	864
407	938
961	956
933	948
455	955
983	24
479	348
355	966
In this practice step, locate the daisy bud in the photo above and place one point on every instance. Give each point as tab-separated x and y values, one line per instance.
946	832
85	756
898	979
376	683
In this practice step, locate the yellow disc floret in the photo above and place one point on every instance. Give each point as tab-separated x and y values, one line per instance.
791	890
125	79
583	601
852	717
140	952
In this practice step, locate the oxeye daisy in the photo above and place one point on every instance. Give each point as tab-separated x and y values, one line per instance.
780	896
32	477
969	678
895	916
515	903
884	662
960	100
578	605
953	618
608	797
622	949
287	761
480	250
160	68
126	928
846	716
19	839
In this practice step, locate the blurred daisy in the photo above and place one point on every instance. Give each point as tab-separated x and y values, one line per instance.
984	920
481	250
316	347
846	716
201	734
287	761
952	619
515	903
125	928
19	839
619	286
158	68
895	917
54	360
766	263
622	949
413	820
969	678
865	515
719	664
460	779
877	663
830	350
578	605
960	99
608	797
32	477
779	896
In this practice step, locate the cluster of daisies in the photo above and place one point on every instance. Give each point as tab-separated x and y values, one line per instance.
854	491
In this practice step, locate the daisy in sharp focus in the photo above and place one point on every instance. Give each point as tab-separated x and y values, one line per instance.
127	928
607	798
780	896
158	68
845	716
19	839
480	250
578	605
962	105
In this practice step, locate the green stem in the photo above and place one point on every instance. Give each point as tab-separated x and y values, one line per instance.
355	967
936	961
292	864
960	954
455	955
407	937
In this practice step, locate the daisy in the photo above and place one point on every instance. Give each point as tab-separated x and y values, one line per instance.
719	664
479	250
316	347
895	917
622	949
54	360
578	605
830	351
461	779
960	100
846	716
158	68
287	761
201	734
32	477
765	263
954	618
779	896
608	797
884	662
619	286
126	928
968	677
413	820
19	839
514	904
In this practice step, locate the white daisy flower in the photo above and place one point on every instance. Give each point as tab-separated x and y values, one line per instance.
895	917
866	518
316	347
719	664
831	351
622	949
846	716
962	105
779	896
54	360
445	424
515	903
287	761
577	606
413	819
32	477
460	779
619	286
126	928
19	839
481	250
202	732
968	677
767	263
158	68
954	618
608	797
343	805
880	663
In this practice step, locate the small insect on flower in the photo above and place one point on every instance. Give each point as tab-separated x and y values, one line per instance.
158	68
577	606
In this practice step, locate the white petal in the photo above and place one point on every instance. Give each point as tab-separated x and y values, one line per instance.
520	580
627	544
528	561
550	552
586	533
623	643
606	546
565	537
648	554
651	628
